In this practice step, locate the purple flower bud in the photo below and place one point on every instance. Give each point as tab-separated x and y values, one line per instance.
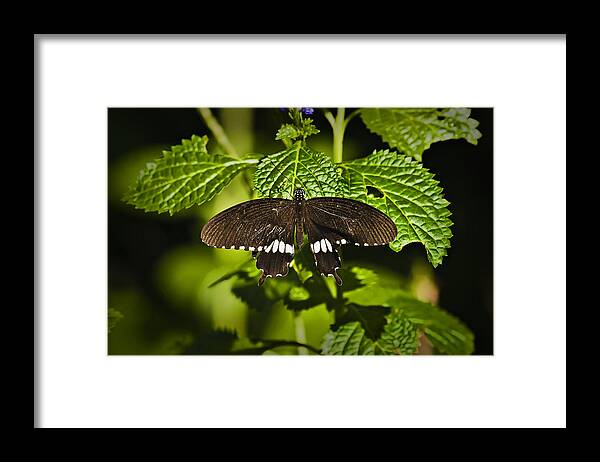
307	111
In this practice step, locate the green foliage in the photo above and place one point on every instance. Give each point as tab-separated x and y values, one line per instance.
302	289
245	287
300	129
373	314
114	316
228	342
349	339
394	324
409	195
447	334
185	176
299	166
372	318
287	132
309	288
290	133
412	131
400	336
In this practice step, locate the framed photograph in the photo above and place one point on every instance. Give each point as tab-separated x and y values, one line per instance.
299	231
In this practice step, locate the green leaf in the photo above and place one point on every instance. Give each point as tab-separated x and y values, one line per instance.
309	289
298	294
250	293
372	318
408	194
412	131
400	336
301	129
314	292
114	316
407	318
185	176
245	286
287	132
304	264
299	166
308	128
349	339
447	334
295	293
356	277
364	286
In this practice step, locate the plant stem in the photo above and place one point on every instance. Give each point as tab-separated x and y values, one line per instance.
338	125
338	135
300	332
338	304
329	117
275	344
221	136
216	129
351	116
299	328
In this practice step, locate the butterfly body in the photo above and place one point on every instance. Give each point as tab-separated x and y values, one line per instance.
274	229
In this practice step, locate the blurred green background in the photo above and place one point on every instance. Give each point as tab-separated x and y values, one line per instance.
159	272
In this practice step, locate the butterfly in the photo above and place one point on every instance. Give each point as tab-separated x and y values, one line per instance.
273	229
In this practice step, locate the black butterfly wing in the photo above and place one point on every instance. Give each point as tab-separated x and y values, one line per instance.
346	221
333	221
324	249
263	226
251	225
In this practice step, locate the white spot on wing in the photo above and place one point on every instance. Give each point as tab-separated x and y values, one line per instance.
343	241
232	247
242	247
281	246
275	245
328	245
366	245
356	243
251	249
259	248
323	246
289	249
316	247
268	249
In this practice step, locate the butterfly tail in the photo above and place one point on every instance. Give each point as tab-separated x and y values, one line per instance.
273	265
328	263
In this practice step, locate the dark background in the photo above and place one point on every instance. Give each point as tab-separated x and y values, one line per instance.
138	240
